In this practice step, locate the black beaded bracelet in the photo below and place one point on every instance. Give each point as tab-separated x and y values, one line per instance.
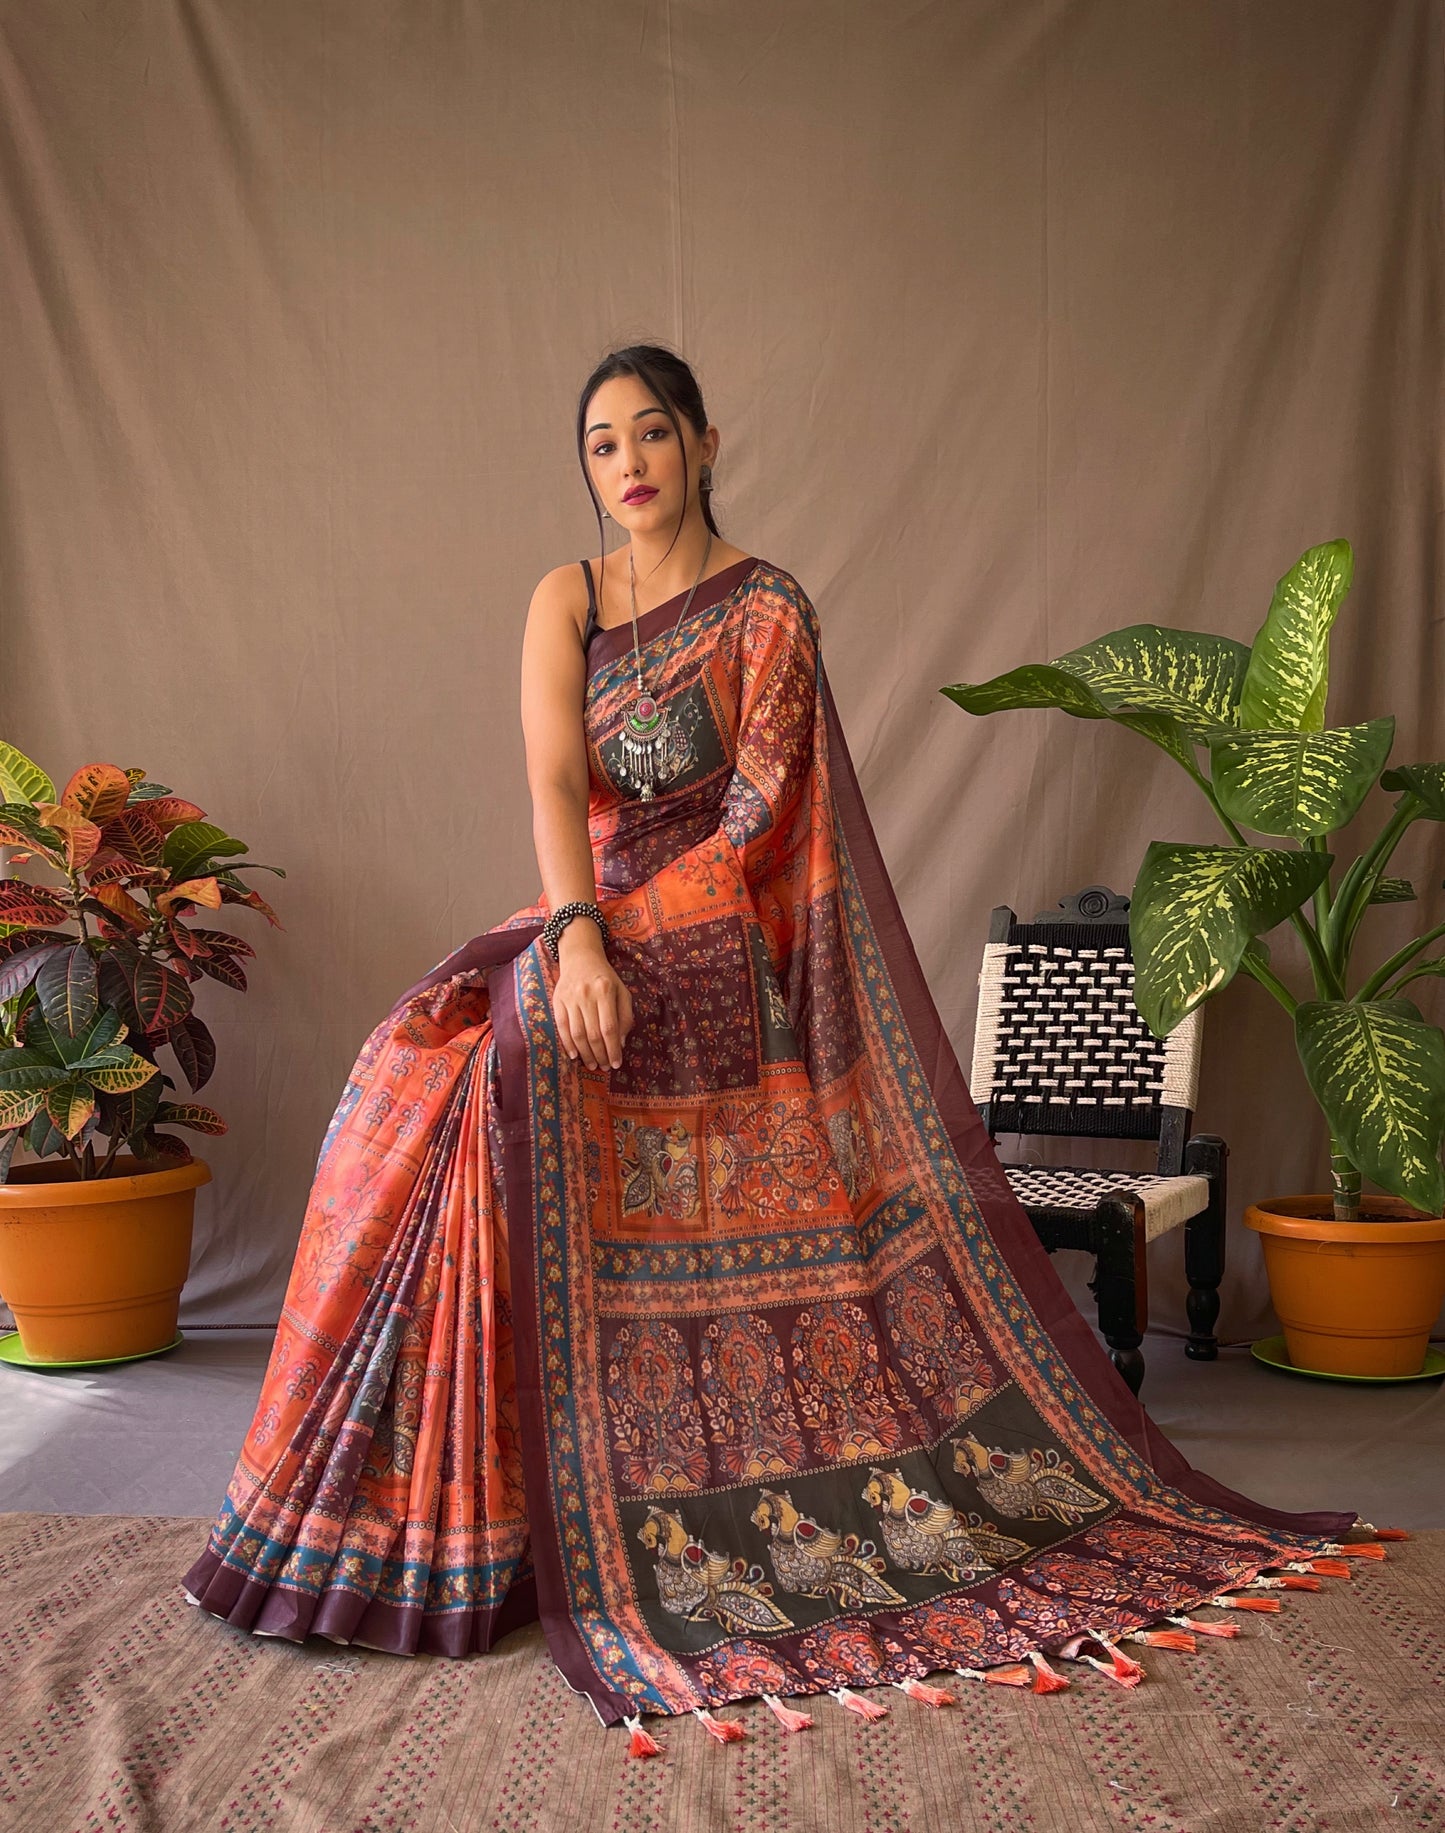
561	917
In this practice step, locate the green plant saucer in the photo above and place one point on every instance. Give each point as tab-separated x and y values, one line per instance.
10	1351
1272	1351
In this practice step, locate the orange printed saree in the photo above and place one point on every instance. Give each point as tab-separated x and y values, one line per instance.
739	1365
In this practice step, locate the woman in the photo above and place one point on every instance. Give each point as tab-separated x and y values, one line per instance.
658	1276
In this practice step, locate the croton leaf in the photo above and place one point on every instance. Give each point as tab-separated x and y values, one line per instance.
168	811
1392	891
1288	678
42	1138
191	890
114	870
195	1050
19	968
1298	783
97	791
225	942
70	1106
224	968
1377	1069
1427	781
21	780
18	1106
192	1114
190	848
8	1143
30	906
135	836
131	1112
67	989
79	837
141	787
230	894
121	1078
119	902
1193	912
20	825
164	1147
24	1070
161	997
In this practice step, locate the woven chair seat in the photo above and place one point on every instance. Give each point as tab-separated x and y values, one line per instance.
1168	1201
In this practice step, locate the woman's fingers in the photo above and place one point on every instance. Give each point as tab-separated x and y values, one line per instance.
564	1028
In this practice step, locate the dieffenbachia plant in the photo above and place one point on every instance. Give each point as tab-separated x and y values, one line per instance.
84	1009
1248	725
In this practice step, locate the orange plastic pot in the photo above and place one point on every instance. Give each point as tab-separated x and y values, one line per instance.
1355	1298
93	1268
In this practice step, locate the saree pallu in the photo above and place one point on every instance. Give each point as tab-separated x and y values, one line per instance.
740	1364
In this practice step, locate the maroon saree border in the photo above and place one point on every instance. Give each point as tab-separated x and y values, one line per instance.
1012	1233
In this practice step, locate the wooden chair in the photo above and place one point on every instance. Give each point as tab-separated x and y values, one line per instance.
1061	1048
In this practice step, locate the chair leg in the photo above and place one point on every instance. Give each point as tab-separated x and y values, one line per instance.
1120	1285
1205	1156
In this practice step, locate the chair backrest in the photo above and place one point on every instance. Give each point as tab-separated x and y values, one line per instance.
1060	1046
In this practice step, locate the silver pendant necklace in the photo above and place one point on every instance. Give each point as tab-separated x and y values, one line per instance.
654	747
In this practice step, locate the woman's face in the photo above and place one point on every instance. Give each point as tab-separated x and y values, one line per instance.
631	446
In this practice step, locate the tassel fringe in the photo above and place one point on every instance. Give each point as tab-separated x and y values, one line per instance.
925	1695
725	1730
1016	1674
1198	1628
641	1743
1327	1568
1046	1679
1382	1533
1286	1581
1164	1638
1357	1549
855	1702
786	1716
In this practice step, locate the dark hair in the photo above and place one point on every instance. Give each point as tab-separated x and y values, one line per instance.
673	386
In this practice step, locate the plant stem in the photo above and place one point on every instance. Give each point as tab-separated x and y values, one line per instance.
1346	1180
1401	958
1271	982
1327	983
1358	884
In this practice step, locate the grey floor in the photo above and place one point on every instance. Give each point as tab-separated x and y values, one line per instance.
160	1437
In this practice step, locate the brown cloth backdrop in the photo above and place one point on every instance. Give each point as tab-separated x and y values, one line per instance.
1018	324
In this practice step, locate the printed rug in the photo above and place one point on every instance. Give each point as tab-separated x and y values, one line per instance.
126	1710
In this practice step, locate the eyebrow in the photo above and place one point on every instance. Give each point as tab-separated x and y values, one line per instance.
608	424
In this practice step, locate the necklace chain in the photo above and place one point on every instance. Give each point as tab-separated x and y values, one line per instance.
677	623
653	748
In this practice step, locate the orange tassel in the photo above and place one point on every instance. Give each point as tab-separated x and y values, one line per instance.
641	1743
725	1730
1164	1638
785	1715
925	1695
1246	1603
1330	1568
1125	1669
1016	1674
1046	1679
1356	1549
1200	1628
1297	1581
1386	1533
855	1702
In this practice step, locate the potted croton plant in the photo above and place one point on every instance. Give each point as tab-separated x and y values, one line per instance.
99	952
1357	1279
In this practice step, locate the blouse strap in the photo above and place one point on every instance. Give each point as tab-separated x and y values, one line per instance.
591	602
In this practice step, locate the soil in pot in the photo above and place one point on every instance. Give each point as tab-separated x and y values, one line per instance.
1355	1298
93	1268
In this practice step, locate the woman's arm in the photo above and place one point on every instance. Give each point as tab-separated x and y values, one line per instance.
592	1007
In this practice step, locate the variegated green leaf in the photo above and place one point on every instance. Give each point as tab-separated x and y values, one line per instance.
1170	686
120	1078
1298	783
1193	912
1392	891
1289	668
1378	1072
21	780
17	1105
1188	676
1433	969
1427	781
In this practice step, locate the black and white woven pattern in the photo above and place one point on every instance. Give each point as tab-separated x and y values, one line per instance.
1058	1032
1167	1201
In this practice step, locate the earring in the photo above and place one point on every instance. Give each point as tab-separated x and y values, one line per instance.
704	478
607	515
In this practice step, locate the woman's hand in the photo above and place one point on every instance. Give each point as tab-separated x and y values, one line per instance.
591	1005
